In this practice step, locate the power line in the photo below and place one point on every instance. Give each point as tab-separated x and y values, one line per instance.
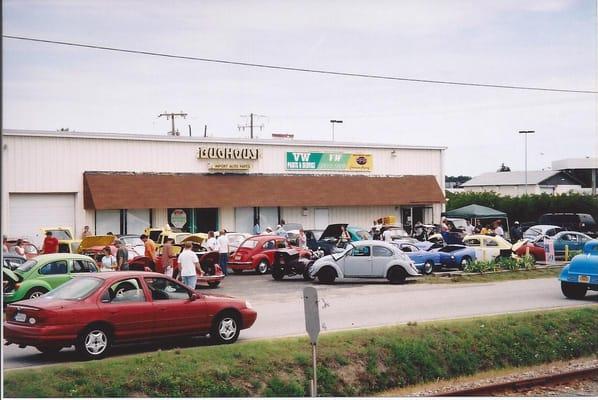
297	69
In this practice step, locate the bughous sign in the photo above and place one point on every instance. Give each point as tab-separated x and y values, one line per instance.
228	153
329	161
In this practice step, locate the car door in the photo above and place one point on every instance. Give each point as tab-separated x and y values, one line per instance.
174	311
381	256
359	262
55	273
127	307
491	249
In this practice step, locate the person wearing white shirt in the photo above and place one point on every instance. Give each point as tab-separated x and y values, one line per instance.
212	243
498	231
469	228
387	235
189	266
223	250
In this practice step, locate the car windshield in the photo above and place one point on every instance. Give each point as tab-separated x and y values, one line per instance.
363	235
74	289
60	235
26	266
338	256
132	241
249	244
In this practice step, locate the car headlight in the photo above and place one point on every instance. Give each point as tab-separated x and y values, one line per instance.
452	257
247	304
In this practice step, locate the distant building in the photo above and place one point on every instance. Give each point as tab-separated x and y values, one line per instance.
513	183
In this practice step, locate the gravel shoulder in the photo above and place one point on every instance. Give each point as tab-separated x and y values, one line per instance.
586	387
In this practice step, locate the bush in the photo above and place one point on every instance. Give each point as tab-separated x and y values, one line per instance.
527	208
502	264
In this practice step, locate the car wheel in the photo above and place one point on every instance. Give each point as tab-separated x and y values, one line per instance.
94	342
428	267
464	262
278	274
397	275
262	267
214	284
35	293
327	275
225	329
49	350
573	291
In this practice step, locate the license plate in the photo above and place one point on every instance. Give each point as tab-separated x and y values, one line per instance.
20	317
583	279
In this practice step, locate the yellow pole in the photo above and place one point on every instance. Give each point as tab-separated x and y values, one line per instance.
566	252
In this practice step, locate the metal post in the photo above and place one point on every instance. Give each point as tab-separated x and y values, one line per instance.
525	163
333	131
315	380
172	118
251	124
594	182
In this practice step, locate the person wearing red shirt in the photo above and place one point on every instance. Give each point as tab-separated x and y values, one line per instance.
50	244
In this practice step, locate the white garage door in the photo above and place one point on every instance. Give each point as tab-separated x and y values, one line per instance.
30	212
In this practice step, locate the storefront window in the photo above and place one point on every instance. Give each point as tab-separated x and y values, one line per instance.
137	220
244	219
268	217
107	221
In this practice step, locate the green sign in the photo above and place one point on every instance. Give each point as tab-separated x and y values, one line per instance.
328	161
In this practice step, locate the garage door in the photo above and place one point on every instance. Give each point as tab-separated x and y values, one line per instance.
30	212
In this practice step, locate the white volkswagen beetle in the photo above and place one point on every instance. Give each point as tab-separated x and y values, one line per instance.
365	259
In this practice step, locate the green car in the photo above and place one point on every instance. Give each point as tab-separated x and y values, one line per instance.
42	274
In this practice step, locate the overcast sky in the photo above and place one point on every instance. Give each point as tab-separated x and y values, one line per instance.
542	43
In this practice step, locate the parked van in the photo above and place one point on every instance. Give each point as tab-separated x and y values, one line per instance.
571	221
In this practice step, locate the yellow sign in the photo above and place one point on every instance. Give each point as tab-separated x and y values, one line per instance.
360	162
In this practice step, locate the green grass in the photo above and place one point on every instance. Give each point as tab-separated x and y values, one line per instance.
353	363
494	277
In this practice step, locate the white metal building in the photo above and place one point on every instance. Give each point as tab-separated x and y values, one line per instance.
125	182
513	183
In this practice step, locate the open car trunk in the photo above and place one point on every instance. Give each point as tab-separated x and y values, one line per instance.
9	280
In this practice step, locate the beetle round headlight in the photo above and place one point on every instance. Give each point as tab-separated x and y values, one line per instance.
452	257
32	321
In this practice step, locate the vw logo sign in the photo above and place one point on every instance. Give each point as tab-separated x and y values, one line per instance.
361	160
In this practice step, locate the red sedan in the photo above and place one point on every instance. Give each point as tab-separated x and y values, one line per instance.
536	249
95	311
256	253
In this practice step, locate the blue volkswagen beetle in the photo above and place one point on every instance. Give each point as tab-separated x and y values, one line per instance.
581	274
425	261
456	255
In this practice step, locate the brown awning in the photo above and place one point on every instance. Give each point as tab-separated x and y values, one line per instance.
110	190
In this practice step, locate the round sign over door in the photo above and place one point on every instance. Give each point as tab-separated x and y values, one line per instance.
178	218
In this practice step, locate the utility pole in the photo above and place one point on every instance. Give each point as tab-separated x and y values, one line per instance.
251	124
525	133
171	116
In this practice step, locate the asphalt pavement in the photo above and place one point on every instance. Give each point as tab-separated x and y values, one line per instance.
349	304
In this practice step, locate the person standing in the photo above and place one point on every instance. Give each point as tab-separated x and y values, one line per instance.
498	230
344	237
122	256
302	239
86	232
387	235
469	228
256	228
167	255
150	247
50	244
223	250
19	248
189	266
211	243
4	244
108	261
516	232
280	231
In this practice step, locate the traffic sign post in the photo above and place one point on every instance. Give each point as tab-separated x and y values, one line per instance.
312	326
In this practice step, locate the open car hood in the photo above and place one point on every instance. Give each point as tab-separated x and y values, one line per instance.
196	238
95	241
333	231
11	275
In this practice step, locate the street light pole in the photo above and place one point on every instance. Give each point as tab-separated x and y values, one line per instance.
525	133
335	121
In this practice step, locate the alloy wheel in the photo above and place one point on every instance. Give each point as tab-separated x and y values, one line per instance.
96	342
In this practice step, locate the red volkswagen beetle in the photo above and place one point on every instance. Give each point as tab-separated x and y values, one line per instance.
536	249
97	310
256	253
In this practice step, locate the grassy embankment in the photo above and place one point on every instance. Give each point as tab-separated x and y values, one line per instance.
353	363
